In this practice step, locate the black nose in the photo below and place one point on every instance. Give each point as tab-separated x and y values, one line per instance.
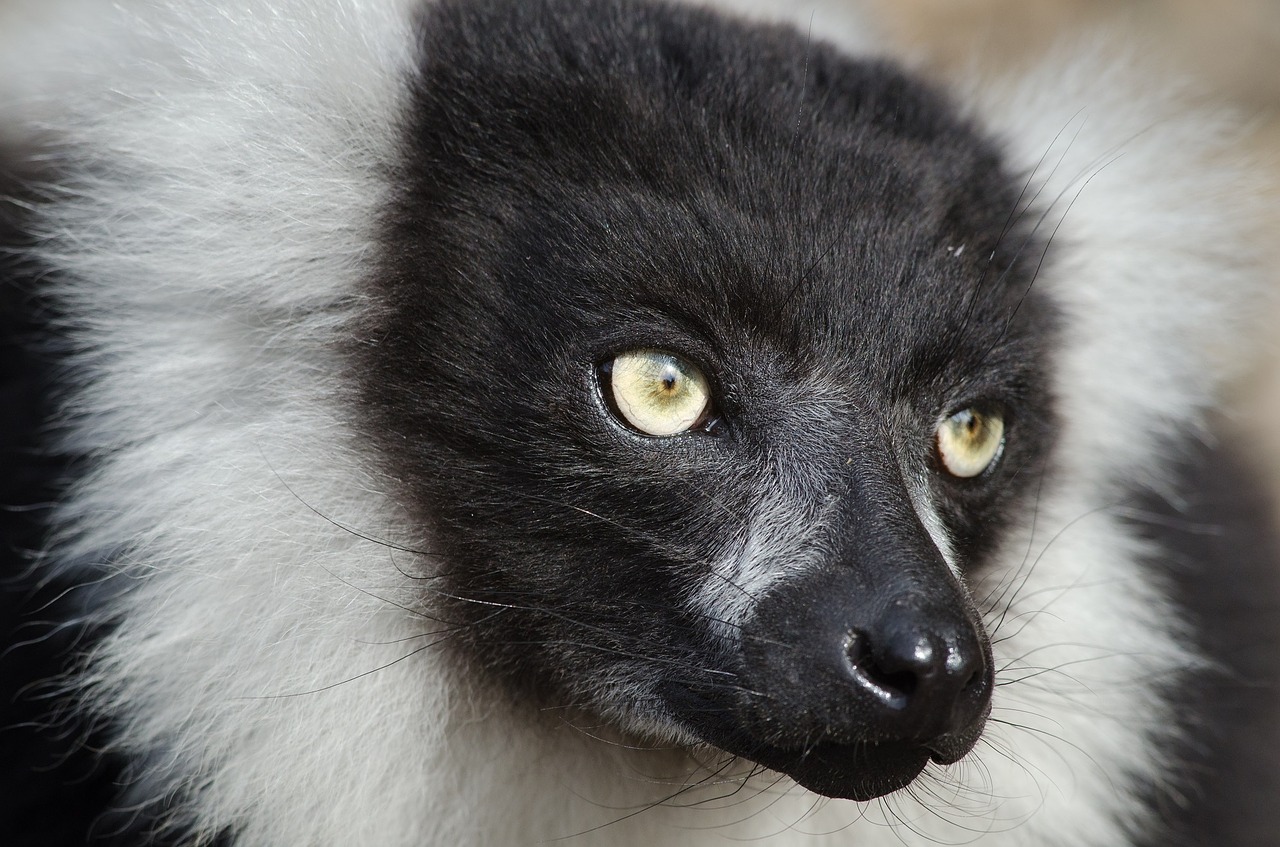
923	671
832	661
852	689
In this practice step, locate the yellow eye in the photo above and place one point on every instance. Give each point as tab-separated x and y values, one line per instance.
658	393
970	441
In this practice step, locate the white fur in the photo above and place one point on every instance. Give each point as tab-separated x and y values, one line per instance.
224	168
777	540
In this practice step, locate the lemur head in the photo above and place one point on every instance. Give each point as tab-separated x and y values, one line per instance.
711	361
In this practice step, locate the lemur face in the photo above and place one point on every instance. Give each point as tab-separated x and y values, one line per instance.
748	379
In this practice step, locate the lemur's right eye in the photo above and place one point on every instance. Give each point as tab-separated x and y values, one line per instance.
970	441
656	393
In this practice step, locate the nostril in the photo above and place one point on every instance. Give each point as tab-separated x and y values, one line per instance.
894	688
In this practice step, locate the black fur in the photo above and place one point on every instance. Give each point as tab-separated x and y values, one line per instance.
1220	556
55	786
789	220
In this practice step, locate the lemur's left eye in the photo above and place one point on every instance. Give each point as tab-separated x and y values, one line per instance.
657	393
970	441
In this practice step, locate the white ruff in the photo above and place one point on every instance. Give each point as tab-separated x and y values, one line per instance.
226	175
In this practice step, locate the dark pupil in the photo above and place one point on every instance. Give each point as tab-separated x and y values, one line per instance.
669	379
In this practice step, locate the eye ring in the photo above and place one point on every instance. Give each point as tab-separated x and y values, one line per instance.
970	442
656	393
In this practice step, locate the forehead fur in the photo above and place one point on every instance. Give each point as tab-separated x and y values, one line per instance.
746	183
